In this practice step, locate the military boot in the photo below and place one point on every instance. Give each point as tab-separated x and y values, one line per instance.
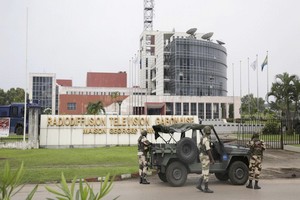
144	181
256	186
249	184
206	189
141	179
199	186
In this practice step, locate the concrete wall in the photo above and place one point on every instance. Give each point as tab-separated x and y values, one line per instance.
81	131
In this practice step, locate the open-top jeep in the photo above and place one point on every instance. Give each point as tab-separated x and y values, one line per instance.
175	155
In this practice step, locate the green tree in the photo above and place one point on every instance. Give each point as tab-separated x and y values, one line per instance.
296	93
249	105
95	108
282	92
15	95
2	97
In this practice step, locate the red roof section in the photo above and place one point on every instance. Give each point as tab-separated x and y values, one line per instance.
102	79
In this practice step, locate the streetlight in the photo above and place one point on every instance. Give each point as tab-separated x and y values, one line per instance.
119	102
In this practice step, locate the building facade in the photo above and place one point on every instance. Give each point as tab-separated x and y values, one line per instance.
180	74
42	90
182	64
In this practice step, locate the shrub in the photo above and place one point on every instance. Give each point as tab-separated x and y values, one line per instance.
83	193
270	128
11	183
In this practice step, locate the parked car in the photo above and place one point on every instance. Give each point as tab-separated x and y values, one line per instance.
175	155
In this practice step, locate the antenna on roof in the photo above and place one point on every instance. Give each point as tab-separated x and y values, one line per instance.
192	32
207	36
220	42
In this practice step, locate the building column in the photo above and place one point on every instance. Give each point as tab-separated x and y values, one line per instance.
204	110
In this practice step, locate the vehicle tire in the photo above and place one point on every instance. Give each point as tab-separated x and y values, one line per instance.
187	150
162	177
176	174
19	130
222	176
238	173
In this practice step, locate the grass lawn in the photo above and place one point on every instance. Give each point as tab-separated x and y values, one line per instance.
46	165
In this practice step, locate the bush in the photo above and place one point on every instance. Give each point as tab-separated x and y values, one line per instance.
10	183
83	193
270	128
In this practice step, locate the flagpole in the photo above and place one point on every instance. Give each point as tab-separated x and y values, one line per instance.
248	88
240	78
257	83
268	74
26	66
233	91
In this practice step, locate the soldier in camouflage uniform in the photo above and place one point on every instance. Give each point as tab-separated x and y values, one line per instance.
257	147
206	159
143	148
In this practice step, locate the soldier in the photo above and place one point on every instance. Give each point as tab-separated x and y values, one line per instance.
206	159
143	148
257	147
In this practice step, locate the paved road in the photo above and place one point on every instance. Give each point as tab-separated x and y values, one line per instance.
273	189
280	180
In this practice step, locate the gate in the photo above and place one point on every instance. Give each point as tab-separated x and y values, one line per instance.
272	132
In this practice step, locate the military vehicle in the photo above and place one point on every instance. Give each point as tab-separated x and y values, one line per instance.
175	154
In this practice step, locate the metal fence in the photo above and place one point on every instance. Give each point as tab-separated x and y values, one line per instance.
272	132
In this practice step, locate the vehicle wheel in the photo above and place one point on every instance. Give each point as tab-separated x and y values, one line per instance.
187	150
238	173
162	177
222	176
19	130
176	174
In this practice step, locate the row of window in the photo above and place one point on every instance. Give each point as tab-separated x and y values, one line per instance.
210	110
91	93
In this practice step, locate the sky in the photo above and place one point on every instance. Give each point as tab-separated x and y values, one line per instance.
73	37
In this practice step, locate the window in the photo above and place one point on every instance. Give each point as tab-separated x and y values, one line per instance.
169	110
14	111
185	108
208	111
193	109
178	108
71	106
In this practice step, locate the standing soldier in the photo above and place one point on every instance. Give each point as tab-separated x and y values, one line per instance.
206	158
143	148
257	147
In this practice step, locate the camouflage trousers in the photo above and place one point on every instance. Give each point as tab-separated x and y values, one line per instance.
204	159
143	168
255	167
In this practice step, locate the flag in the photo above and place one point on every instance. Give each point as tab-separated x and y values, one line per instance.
264	63
253	65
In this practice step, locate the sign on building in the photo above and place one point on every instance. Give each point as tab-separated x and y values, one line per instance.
65	131
4	127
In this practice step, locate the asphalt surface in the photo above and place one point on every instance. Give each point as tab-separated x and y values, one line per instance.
280	164
280	173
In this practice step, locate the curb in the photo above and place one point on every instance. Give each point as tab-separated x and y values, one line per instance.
117	178
291	148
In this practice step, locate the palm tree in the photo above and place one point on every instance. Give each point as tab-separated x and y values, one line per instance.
249	105
95	108
296	93
114	96
282	91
